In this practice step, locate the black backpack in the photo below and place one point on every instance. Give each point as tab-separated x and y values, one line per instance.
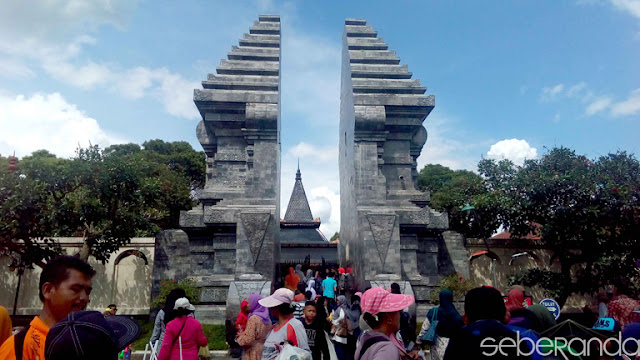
18	342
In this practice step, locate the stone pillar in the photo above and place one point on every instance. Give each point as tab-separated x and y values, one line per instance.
387	231
233	234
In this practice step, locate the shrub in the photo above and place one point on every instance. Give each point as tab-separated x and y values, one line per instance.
454	282
188	285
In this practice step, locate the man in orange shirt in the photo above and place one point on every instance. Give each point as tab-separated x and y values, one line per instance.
65	285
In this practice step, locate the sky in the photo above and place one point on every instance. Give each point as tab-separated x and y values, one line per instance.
512	79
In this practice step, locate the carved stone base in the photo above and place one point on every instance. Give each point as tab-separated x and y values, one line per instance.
240	290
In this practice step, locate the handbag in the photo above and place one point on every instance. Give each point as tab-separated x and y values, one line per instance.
429	337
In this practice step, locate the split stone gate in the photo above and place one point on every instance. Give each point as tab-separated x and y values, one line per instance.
229	243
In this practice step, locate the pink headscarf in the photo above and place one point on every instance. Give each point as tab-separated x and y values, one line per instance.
515	300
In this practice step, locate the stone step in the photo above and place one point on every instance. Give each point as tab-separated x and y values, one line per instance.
388	90
361	31
378	54
252	56
355	22
259	43
387	82
266	28
268	65
380	75
261	37
271	80
374	67
366	44
394	99
239	85
263	31
233	96
390	61
269	18
242	67
253	49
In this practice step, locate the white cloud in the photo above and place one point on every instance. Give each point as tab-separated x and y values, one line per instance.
324	154
47	121
577	89
632	7
598	106
630	106
513	149
54	35
549	93
594	104
86	76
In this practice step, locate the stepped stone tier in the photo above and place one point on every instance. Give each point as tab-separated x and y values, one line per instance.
388	232
230	242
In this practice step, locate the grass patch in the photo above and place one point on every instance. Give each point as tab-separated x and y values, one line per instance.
214	333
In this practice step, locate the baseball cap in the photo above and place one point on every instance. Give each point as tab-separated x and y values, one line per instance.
184	304
90	335
280	296
377	300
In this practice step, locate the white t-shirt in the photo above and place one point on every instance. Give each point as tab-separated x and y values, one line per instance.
293	331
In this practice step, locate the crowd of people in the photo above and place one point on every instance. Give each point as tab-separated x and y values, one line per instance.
64	329
325	322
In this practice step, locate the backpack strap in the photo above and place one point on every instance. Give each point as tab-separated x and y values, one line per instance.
18	341
370	342
179	332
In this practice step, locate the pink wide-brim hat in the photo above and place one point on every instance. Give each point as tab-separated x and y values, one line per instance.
280	296
377	300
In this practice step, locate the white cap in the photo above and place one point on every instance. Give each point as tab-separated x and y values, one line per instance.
184	304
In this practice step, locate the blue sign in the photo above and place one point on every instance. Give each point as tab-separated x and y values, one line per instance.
605	324
552	306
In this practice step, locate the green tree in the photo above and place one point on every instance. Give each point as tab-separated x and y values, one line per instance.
335	236
451	190
586	212
106	197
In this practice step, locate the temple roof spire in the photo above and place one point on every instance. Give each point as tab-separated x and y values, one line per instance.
298	210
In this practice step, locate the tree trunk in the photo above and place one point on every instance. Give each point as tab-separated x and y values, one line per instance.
85	251
565	270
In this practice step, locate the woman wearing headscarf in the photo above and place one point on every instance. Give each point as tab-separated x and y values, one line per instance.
303	279
164	316
622	310
341	326
311	286
354	324
292	280
449	322
243	316
308	276
258	327
520	316
544	316
5	325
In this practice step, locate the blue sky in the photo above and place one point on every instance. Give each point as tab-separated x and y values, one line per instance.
510	78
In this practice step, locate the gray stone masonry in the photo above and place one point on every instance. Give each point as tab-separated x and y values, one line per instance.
230	241
388	232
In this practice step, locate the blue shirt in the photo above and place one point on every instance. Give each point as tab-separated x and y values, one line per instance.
328	286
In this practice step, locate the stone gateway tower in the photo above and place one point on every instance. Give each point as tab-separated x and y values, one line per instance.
388	233
230	242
